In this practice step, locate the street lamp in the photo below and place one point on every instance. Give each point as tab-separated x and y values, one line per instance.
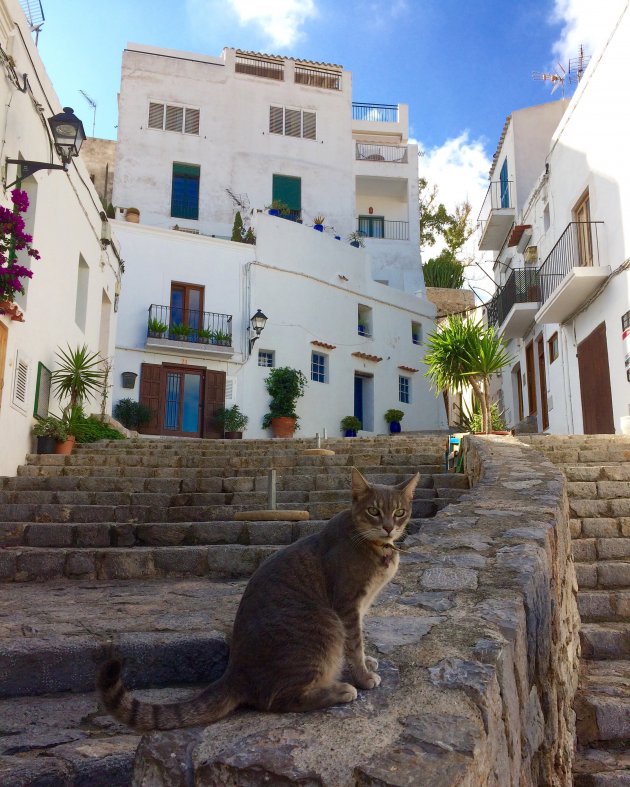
257	323
68	136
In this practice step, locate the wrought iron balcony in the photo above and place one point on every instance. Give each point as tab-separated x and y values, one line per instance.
376	227
375	113
572	271
387	153
516	303
496	215
189	325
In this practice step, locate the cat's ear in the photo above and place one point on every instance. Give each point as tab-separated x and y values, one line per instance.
359	484
407	487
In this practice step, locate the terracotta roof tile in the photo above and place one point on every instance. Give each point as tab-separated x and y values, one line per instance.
323	344
367	357
408	369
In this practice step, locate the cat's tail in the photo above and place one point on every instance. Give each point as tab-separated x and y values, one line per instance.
209	706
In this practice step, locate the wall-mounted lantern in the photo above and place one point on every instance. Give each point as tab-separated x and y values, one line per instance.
257	323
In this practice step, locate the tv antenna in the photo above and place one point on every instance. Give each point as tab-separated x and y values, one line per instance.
92	103
571	75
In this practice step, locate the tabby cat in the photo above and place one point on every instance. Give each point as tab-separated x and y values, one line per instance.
299	620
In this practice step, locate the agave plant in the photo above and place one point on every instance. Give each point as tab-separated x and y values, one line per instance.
79	375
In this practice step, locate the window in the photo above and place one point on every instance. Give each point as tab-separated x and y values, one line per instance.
187	306
288	191
582	219
266	358
372	226
292	122
80	306
168	117
546	218
319	365
505	186
42	391
553	347
364	320
185	191
317	77
20	382
416	333
404	389
259	67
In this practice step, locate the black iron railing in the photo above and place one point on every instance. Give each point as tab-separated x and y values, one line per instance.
375	113
270	69
189	325
331	80
390	153
374	227
522	286
500	195
577	247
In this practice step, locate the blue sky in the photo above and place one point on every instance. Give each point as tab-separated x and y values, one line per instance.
461	65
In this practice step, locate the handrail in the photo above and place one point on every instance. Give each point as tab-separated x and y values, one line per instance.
190	325
375	113
522	286
388	153
577	247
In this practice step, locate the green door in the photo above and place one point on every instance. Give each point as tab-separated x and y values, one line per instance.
289	191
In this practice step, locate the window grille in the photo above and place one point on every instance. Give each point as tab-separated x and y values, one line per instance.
404	389
318	368
265	358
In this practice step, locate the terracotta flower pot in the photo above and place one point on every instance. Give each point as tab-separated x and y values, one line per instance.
283	427
65	446
233	435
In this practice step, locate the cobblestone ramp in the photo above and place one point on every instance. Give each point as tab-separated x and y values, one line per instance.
597	469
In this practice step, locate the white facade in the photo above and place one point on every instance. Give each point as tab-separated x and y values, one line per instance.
312	289
576	239
246	122
70	299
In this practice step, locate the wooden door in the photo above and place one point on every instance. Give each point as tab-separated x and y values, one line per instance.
532	404
517	379
582	218
597	409
214	397
4	339
542	381
151	395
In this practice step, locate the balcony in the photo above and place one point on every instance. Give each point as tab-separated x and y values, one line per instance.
572	271
496	215
374	227
513	308
188	331
375	113
387	153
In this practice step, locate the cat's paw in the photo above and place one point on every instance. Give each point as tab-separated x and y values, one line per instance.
369	680
371	664
346	693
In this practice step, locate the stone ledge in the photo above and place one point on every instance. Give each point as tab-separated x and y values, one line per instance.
480	630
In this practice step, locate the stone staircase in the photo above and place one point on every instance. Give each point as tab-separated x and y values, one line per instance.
597	468
134	544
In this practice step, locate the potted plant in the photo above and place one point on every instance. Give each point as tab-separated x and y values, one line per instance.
205	335
318	223
393	418
132	414
132	215
180	331
221	337
157	328
232	420
277	208
285	386
49	431
350	425
356	239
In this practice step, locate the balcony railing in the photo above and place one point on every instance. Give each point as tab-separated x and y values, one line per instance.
258	67
189	325
389	153
315	77
375	227
500	195
375	113
577	247
522	286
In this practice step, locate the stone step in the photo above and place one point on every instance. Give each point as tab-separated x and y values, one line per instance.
603	508
600	527
603	574
587	550
603	713
598	490
216	562
606	606
595	767
605	641
620	472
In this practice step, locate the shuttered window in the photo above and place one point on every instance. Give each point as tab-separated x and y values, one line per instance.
170	117
287	190
20	383
292	122
185	191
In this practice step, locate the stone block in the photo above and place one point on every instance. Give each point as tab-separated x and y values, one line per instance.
613	575
613	489
219	533
49	535
582	489
270	532
575	527
11	533
586	574
8	565
80	564
613	548
445	578
163	534
581	509
40	565
600	528
584	550
180	561
238	484
136	563
620	507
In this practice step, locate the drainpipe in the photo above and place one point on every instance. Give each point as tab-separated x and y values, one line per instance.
566	381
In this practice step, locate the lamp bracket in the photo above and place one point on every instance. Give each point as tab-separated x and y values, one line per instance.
27	168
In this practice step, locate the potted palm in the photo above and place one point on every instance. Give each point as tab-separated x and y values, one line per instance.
356	239
350	425
393	418
157	328
318	223
180	331
49	431
285	386
232	420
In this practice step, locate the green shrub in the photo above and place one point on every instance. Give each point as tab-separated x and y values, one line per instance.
444	271
471	420
393	415
132	414
89	430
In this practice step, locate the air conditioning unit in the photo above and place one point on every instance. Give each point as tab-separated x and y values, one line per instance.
531	254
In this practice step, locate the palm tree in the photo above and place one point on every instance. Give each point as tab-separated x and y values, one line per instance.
464	352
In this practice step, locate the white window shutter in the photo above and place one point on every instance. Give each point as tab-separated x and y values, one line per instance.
309	125
174	118
156	115
230	389
191	121
293	122
20	382
275	120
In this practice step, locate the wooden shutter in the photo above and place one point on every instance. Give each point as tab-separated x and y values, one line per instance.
156	115
174	118
151	395
288	190
191	121
309	129
276	117
293	122
20	382
596	395
214	397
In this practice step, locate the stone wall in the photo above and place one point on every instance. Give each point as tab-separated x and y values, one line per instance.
449	301
478	642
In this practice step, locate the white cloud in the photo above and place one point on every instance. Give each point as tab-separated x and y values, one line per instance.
280	20
584	22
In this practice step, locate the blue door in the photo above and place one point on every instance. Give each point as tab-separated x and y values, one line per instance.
505	186
358	398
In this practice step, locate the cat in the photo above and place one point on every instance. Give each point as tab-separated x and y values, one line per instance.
299	620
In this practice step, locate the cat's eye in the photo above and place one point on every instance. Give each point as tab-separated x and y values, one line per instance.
399	512
372	511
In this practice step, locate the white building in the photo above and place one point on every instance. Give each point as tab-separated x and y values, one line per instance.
70	298
199	139
565	301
